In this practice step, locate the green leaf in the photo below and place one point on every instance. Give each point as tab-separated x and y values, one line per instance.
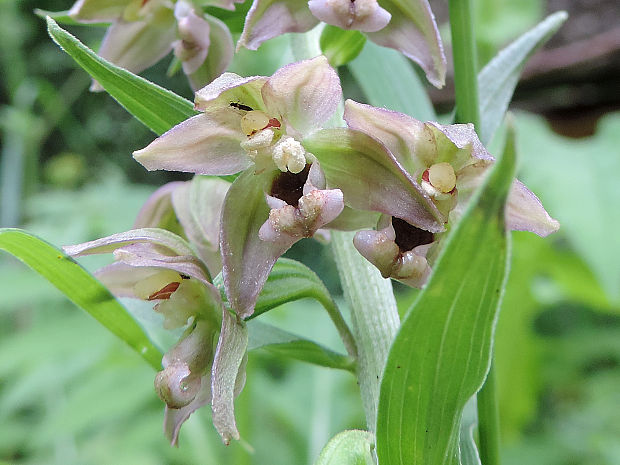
441	354
157	108
388	80
284	344
291	280
341	46
81	288
498	79
352	447
288	281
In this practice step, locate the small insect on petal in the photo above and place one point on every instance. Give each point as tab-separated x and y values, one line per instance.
241	106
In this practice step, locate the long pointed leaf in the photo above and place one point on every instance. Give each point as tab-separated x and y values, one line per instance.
282	343
498	79
81	288
157	108
291	280
441	353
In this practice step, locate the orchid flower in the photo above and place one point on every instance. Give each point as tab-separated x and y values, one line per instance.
145	31
407	26
156	265
266	128
448	162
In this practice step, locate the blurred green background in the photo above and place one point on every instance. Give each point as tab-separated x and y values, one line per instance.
70	393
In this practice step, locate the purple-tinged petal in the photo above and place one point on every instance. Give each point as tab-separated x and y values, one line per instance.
174	418
246	259
371	178
401	134
203	144
168	243
220	54
149	255
381	249
288	224
414	144
270	18
198	206
98	11
362	15
294	214
184	365
138	45
413	31
304	94
524	212
193	31
157	210
231	88
193	354
225	375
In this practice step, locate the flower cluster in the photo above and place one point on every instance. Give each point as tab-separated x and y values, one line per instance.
142	32
410	179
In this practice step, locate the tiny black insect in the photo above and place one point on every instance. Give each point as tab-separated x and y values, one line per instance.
241	106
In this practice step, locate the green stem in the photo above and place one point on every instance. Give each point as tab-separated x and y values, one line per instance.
465	62
467	111
341	326
374	318
488	421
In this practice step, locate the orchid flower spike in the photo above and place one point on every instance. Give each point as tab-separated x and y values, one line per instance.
158	266
407	26
269	128
449	163
145	31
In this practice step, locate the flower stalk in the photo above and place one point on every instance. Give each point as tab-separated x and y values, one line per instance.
374	316
465	61
468	111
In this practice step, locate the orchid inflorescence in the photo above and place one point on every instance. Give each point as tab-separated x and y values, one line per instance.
411	179
399	182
